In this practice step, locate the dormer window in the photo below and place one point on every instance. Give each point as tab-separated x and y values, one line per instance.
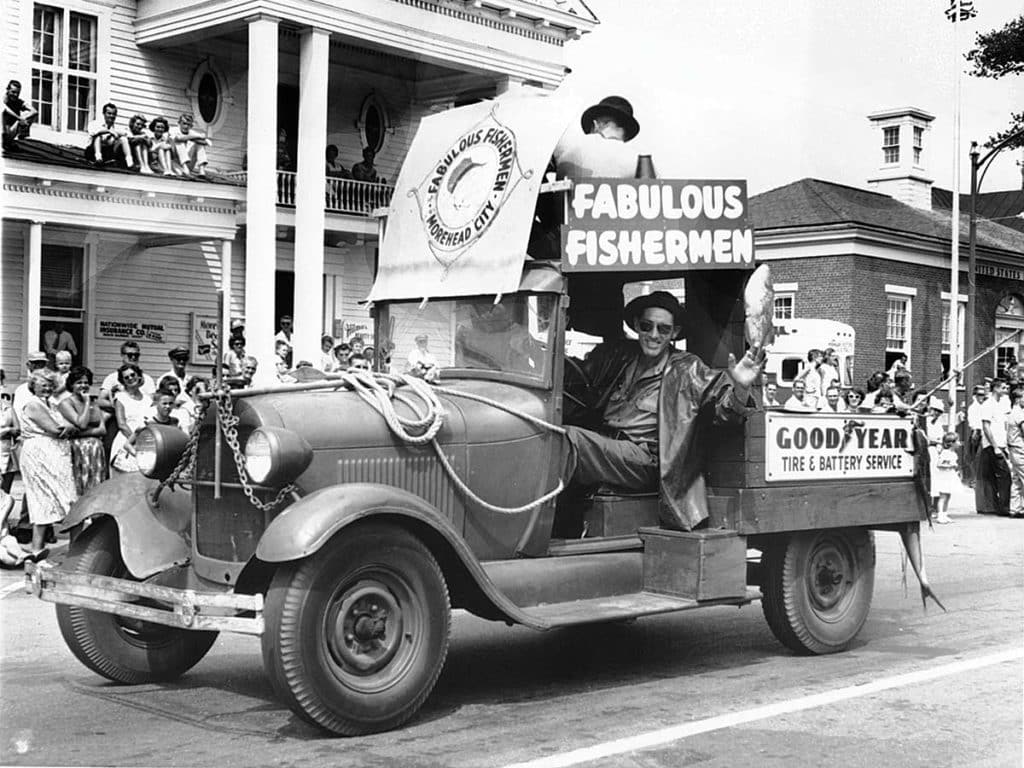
891	144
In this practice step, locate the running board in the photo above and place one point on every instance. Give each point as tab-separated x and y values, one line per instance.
619	607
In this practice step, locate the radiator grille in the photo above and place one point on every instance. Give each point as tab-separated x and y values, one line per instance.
422	475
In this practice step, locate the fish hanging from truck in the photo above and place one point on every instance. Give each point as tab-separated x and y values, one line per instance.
759	307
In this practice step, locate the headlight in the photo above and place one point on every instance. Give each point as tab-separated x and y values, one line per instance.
158	449
275	456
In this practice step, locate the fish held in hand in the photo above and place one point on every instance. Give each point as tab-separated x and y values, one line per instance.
758	304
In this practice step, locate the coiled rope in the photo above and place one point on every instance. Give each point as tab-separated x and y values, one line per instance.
380	390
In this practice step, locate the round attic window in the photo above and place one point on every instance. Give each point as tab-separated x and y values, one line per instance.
208	97
374	123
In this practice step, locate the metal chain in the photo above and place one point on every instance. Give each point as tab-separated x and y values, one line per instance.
228	425
188	456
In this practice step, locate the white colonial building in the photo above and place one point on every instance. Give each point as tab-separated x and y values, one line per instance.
109	254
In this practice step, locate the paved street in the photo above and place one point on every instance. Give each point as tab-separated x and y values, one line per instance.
708	688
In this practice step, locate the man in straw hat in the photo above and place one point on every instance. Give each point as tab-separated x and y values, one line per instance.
648	396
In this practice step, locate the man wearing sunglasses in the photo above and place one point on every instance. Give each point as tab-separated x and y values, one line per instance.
649	396
130	353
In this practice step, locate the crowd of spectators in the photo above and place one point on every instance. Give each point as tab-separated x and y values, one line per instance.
148	146
65	438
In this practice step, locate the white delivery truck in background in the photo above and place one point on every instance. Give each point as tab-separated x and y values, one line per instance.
794	337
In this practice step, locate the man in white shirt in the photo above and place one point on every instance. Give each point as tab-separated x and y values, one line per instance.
285	334
130	353
189	147
994	459
107	142
832	403
798	400
972	437
179	357
421	363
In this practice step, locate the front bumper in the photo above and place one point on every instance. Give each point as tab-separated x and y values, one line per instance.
180	608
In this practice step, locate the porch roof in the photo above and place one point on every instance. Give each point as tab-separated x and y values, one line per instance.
54	184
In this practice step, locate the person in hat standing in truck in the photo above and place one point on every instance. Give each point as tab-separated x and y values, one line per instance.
608	127
649	395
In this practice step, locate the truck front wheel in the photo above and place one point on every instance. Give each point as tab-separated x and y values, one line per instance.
357	634
118	648
817	588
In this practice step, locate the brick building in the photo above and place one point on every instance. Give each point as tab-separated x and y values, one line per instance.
879	260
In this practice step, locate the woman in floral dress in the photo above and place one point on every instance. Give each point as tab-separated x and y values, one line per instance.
87	455
45	461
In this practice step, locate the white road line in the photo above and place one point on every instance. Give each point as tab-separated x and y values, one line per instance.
684	730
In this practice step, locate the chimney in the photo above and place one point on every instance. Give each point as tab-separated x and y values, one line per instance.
901	172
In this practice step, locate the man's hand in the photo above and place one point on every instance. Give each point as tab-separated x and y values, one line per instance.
745	372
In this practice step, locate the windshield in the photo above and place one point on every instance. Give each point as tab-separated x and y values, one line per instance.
512	336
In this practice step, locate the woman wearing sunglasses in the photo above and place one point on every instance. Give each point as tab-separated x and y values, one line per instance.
131	407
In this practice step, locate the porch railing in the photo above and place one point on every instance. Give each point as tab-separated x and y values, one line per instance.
340	195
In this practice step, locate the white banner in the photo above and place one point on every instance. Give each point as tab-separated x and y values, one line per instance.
837	446
463	205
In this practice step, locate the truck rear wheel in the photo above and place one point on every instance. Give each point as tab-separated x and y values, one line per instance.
357	634
817	588
118	648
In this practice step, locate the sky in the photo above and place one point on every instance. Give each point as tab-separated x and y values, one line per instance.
777	91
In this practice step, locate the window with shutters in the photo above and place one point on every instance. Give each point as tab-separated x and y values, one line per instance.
64	67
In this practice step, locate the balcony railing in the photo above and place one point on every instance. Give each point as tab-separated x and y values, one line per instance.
340	195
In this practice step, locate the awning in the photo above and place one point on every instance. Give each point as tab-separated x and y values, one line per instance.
463	205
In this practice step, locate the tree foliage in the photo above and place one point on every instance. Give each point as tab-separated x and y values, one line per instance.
996	54
999	52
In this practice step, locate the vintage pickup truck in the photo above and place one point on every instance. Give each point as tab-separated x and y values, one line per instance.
342	520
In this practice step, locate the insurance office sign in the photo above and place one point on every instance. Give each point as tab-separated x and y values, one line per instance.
657	224
836	446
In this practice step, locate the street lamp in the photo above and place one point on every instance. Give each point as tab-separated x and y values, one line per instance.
977	163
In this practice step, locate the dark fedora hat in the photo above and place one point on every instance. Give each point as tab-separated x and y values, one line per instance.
612	106
660	299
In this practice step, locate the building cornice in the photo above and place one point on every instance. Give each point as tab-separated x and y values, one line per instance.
853	240
526	44
58	198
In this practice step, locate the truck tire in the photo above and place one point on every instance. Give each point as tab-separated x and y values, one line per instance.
356	635
118	648
817	588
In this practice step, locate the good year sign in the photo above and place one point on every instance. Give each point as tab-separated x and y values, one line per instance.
833	446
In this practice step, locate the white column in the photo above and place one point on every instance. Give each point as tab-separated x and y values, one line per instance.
309	201
261	191
33	287
225	283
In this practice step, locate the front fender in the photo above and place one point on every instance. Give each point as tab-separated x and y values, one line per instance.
309	523
151	536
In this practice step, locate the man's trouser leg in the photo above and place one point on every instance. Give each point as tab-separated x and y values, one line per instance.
1001	483
984	496
598	460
